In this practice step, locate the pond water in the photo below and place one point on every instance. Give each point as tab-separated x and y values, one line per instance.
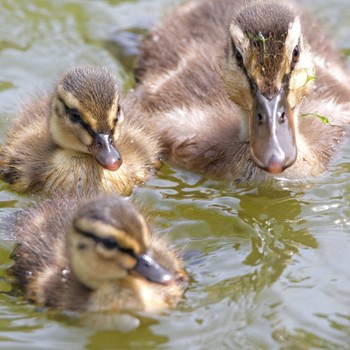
268	270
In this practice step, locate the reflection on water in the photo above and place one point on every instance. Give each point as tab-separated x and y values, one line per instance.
269	269
278	238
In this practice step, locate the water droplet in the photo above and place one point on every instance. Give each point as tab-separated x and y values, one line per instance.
155	38
65	273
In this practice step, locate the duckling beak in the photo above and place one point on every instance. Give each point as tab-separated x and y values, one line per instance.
272	133
105	152
148	268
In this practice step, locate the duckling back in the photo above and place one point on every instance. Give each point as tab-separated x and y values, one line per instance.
83	255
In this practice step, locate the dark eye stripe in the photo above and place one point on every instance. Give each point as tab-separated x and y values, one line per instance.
108	242
74	114
237	54
295	55
75	117
240	62
118	115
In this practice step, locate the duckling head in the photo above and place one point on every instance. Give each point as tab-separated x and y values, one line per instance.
268	70
86	115
109	240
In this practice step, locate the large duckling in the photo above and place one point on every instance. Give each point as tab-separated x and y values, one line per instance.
93	256
238	90
78	140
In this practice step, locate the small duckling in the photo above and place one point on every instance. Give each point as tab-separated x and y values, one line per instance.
103	257
234	90
78	140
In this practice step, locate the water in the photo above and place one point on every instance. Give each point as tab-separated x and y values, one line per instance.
268	270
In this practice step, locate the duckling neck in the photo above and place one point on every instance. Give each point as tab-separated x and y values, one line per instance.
79	172
133	293
129	292
97	295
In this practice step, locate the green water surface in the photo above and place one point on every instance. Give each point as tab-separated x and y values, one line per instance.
268	270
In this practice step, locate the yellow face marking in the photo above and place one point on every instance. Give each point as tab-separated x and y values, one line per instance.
292	40
121	117
239	93
65	133
253	67
145	231
72	102
112	112
304	75
104	231
240	39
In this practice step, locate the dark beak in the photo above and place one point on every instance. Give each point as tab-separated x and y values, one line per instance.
148	268
272	133
105	152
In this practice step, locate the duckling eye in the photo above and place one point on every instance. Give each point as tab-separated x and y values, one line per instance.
74	115
118	114
239	58
237	54
109	243
296	54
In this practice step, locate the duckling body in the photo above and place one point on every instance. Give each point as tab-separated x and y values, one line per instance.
93	256
233	89
54	144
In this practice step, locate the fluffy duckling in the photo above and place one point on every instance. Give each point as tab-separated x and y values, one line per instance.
102	257
235	88
78	140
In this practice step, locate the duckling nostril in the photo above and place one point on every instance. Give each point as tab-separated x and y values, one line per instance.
105	152
282	118
260	118
101	141
149	268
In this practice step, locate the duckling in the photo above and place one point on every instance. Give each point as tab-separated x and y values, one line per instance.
93	256
78	140
235	90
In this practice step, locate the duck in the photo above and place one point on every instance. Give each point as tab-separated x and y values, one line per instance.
92	256
245	91
79	139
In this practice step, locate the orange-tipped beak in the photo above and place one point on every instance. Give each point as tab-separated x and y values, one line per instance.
148	268
105	152
272	133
